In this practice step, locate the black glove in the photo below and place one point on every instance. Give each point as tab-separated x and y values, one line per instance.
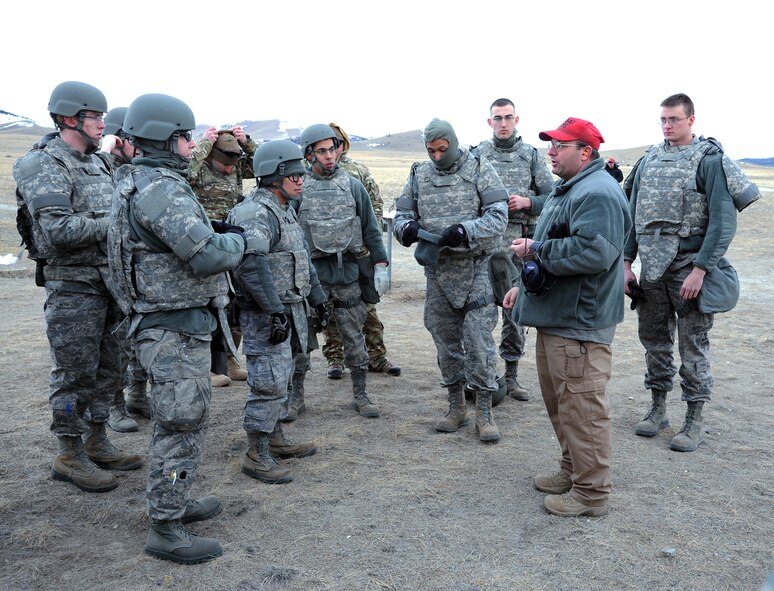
410	231
453	235
225	228
322	318
280	328
635	293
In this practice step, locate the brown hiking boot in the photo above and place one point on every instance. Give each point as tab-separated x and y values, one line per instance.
236	372
169	540
258	462
73	466
567	506
280	447
458	413
556	484
102	452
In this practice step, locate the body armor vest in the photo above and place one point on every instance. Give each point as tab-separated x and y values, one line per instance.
669	206
92	190
163	278
328	215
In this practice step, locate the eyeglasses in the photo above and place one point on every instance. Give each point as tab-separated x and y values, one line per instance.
500	118
324	151
100	118
296	176
672	120
559	145
187	135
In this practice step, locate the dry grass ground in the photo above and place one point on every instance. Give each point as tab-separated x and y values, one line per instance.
390	505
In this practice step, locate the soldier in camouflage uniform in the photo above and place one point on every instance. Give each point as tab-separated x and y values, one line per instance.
459	199
119	151
67	188
373	329
220	162
275	283
684	221
528	180
178	269
347	251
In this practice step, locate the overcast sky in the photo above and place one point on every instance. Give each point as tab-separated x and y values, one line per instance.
391	66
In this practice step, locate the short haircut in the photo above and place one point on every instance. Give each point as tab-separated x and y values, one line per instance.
503	102
677	100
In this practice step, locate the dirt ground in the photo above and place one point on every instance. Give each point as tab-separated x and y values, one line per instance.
388	504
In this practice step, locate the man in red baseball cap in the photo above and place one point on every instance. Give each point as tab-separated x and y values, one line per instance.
572	293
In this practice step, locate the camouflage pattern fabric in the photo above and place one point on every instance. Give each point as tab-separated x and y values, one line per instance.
361	172
269	369
463	339
658	306
86	358
373	331
179	369
217	192
669	205
350	322
513	337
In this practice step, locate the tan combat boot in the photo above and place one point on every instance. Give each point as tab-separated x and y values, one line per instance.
485	424
360	401
296	405
169	540
656	419
72	465
458	415
280	447
260	464
515	390
102	452
692	433
219	380
236	372
137	401
119	420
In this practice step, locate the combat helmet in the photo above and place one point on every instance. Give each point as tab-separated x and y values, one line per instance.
277	159
157	117
71	97
317	133
114	121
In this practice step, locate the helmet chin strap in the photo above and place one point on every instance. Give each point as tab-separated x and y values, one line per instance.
91	145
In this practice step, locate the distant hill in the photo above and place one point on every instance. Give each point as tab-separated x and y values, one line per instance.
758	161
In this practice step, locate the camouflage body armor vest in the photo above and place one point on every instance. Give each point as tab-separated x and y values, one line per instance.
450	199
514	167
328	215
163	279
92	189
669	205
288	259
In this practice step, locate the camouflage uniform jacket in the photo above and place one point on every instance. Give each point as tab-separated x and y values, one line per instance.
68	195
682	209
360	172
217	192
524	172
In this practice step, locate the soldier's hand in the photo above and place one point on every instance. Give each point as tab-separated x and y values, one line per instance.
321	317
280	328
211	134
381	278
453	236
409	234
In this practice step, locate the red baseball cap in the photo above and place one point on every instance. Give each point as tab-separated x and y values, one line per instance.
575	129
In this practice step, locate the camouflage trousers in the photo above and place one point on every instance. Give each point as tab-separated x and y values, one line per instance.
349	312
134	371
463	339
373	331
660	311
512	335
86	358
178	367
269	369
